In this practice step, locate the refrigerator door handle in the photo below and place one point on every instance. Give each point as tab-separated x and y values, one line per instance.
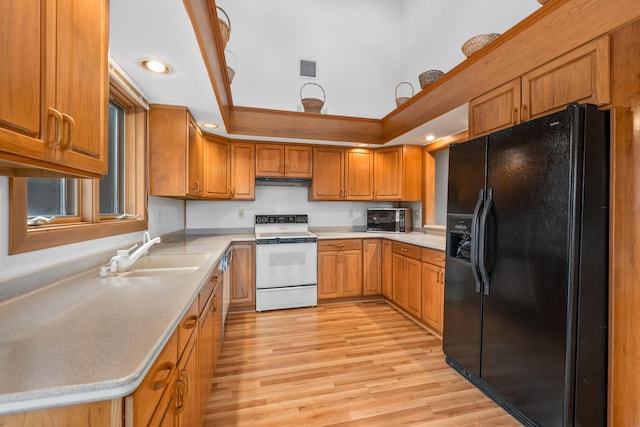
482	247
474	241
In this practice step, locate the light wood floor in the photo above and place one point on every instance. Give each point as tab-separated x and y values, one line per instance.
355	364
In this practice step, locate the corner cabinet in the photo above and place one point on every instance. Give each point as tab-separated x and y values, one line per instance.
54	86
283	160
243	171
581	75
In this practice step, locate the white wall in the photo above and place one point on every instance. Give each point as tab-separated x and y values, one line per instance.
356	44
421	19
17	265
364	48
277	200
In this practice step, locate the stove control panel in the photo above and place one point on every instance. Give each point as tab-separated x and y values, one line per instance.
281	219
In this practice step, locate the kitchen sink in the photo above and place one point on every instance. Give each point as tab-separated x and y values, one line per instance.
165	265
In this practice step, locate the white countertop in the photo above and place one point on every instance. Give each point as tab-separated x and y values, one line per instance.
419	239
88	338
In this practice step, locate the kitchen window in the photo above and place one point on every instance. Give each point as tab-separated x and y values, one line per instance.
49	212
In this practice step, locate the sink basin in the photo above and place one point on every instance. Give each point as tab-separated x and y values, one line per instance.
154	272
165	261
165	265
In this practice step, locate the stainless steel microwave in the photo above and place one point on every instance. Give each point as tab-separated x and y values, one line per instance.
391	220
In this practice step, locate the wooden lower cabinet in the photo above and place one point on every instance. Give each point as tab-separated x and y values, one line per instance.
339	268
187	388
371	270
386	269
106	413
433	288
242	275
406	284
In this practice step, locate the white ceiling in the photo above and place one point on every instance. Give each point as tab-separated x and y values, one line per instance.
363	52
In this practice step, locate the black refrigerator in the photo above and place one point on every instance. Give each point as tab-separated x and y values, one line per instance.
526	284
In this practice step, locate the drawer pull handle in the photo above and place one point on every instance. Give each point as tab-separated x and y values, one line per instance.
214	279
191	321
404	249
167	367
179	394
439	259
214	305
187	380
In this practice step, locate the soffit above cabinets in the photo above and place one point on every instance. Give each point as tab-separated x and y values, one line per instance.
362	49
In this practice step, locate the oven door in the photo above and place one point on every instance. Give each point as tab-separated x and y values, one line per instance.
286	264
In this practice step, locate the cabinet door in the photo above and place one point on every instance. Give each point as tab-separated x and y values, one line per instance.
217	173
195	143
351	266
24	100
165	414
216	304
206	353
388	173
386	272
399	287
412	280
298	161
242	275
495	110
581	75
359	174
187	387
328	179
243	177
371	267
329	274
82	82
432	295
269	160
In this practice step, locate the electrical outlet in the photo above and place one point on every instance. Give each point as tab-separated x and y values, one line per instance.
240	213
158	216
350	213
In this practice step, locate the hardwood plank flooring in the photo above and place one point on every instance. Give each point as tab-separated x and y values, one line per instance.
352	364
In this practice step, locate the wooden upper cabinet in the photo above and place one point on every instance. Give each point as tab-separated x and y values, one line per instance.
54	82
176	148
195	145
328	177
581	75
495	110
217	168
243	172
359	174
280	160
297	161
397	173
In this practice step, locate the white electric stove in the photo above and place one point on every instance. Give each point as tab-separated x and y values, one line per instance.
286	262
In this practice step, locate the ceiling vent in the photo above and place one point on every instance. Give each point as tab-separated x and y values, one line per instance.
308	69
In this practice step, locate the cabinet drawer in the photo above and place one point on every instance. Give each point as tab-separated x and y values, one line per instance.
186	327
142	404
340	245
406	250
433	256
207	289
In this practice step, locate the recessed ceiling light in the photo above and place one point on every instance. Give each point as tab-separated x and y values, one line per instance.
155	66
363	145
209	125
429	138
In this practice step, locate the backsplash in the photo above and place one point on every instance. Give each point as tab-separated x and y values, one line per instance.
203	215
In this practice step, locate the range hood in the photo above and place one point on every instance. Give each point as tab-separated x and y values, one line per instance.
284	182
